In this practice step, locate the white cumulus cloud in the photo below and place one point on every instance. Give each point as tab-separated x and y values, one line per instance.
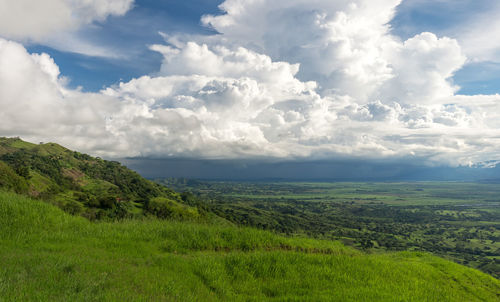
345	46
56	22
283	79
37	20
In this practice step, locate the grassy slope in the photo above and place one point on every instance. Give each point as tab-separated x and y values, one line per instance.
81	184
47	255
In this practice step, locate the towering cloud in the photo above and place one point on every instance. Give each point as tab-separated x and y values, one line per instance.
345	46
340	44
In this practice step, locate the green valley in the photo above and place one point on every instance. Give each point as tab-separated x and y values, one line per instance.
456	220
75	227
48	255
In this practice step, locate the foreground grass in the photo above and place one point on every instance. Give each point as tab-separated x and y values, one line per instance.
47	255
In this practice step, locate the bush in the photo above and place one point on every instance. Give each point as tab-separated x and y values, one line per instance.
73	207
10	181
160	207
107	202
164	208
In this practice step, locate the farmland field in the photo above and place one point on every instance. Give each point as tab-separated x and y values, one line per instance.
459	221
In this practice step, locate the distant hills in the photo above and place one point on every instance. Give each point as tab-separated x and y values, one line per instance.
84	185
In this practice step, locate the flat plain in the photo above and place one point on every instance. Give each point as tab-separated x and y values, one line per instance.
457	220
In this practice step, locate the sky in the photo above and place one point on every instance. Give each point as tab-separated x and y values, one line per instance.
258	81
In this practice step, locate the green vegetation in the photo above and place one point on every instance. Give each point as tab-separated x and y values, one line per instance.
48	255
10	180
459	221
130	239
84	185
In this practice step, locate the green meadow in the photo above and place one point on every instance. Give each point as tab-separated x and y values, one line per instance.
49	255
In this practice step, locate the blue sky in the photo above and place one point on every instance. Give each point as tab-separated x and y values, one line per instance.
140	26
130	34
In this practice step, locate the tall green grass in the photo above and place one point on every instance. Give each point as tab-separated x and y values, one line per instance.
47	255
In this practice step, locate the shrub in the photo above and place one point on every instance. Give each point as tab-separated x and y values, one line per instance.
73	207
164	208
10	181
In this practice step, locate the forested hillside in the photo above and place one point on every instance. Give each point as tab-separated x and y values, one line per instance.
84	185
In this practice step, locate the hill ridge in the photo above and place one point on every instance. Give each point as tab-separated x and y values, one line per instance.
85	185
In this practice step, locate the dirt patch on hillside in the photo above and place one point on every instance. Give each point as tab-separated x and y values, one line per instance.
75	175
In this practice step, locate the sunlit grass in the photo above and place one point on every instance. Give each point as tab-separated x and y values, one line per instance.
47	255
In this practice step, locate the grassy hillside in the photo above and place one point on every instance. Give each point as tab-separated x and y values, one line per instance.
48	255
85	185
